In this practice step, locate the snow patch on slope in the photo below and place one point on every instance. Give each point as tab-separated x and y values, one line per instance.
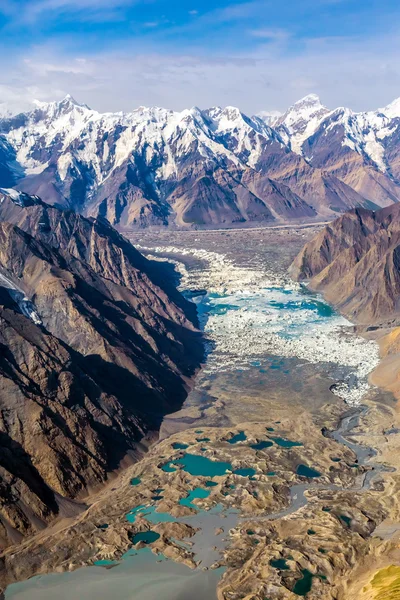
26	307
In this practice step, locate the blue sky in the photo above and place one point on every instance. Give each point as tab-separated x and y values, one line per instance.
259	54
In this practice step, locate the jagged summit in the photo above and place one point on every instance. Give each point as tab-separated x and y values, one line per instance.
392	110
57	108
217	166
308	99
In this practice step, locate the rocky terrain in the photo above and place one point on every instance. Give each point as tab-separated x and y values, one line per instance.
96	346
218	166
280	531
104	533
354	261
295	507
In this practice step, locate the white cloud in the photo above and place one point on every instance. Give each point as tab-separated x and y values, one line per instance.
360	74
270	34
85	10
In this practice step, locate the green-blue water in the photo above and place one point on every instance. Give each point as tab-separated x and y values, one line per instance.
305	471
147	537
149	513
262	445
179	446
322	309
245	472
239	437
198	465
285	443
168	468
303	585
279	563
196	493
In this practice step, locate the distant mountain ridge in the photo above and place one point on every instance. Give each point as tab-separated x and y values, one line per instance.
157	167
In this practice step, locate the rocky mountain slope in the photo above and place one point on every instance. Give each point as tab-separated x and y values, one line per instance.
203	167
355	262
96	346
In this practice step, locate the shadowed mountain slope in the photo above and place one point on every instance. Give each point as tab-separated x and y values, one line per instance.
96	345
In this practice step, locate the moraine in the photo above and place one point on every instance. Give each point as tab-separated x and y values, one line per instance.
268	338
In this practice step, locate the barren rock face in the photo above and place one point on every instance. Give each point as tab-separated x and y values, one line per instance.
96	346
355	262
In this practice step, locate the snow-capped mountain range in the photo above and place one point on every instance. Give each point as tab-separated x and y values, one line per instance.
154	166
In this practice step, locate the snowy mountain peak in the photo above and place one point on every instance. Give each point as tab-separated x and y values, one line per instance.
269	116
19	198
60	107
392	110
134	167
301	120
310	99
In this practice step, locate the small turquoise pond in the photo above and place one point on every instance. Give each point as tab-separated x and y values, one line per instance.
197	465
285	443
105	563
270	429
205	439
305	471
149	513
147	537
345	519
135	481
196	493
179	446
245	472
211	483
303	585
271	474
239	437
168	468
262	445
279	563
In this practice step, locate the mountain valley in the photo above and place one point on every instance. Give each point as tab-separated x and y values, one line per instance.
272	470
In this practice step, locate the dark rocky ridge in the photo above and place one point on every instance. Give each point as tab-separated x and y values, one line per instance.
113	353
355	262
